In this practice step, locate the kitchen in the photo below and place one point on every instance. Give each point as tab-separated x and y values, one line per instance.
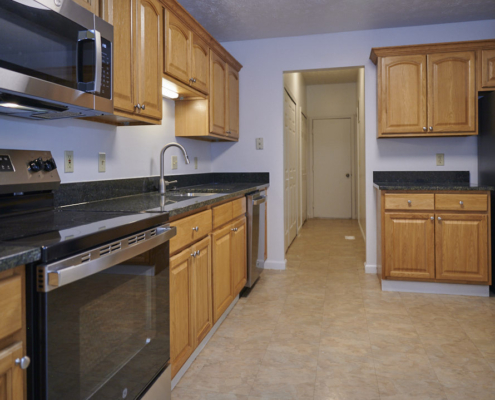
133	151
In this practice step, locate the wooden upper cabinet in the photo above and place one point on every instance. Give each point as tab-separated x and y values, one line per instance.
218	81
451	92
149	57
232	102
462	247
124	88
487	68
91	5
200	64
402	94
409	248
177	48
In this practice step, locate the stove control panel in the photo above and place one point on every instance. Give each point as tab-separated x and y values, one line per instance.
24	171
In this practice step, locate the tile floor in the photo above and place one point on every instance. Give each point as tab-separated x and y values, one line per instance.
323	330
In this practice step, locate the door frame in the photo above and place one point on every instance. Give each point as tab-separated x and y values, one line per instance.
310	203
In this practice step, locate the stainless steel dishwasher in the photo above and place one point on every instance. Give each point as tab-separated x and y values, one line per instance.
256	209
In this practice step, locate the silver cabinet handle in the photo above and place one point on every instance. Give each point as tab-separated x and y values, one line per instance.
143	107
461	203
194	80
228	132
198	252
233	229
424	128
409	202
137	105
196	228
432	218
191	79
439	218
193	254
23	362
431	128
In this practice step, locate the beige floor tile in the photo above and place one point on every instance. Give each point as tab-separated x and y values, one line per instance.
407	389
396	343
284	384
468	392
344	350
393	365
187	394
345	392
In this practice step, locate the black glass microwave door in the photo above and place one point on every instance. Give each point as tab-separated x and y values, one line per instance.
42	44
108	334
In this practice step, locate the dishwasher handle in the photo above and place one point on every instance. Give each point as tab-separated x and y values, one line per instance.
259	200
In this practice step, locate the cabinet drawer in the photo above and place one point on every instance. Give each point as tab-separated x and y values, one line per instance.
414	201
238	207
190	229
222	214
10	305
461	202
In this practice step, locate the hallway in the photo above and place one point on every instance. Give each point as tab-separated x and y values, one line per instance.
323	330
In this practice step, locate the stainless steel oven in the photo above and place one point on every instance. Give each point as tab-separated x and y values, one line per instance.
55	60
102	320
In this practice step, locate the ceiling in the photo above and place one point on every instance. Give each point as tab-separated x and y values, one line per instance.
230	20
330	76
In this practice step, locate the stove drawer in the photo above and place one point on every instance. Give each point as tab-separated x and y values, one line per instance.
190	229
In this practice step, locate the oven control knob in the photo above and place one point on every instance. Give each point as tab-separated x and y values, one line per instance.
50	165
35	165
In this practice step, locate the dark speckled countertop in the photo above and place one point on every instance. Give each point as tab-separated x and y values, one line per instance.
429	186
12	256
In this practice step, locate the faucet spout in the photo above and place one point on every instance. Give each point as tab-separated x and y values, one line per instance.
163	184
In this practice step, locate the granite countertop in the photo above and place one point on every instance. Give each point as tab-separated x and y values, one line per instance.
429	186
11	256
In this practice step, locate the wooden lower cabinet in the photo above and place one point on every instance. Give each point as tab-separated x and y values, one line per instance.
190	301
12	334
410	245
461	243
223	290
239	255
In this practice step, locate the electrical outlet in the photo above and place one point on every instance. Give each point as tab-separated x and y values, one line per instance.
102	165
259	143
174	162
69	161
195	162
440	159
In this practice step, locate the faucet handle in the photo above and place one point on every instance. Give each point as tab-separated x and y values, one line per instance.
169	183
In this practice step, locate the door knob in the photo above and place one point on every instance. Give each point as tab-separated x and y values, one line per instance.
431	128
23	362
347	175
193	254
424	128
196	228
461	203
137	105
197	253
439	218
143	107
432	218
409	202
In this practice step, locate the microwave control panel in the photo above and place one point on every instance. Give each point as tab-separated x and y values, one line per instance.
106	76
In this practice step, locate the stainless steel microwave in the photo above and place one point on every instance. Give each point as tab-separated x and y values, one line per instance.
55	60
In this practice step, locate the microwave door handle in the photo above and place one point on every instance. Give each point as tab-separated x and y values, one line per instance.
99	62
95	85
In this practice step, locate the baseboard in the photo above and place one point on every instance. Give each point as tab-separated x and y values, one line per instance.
271	264
436	288
370	268
202	345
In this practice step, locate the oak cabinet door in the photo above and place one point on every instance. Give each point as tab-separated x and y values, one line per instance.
181	310
91	5
124	94
177	48
451	92
402	95
11	375
200	64
232	103
149	57
223	290
201	290
239	254
409	246
488	68
461	242
218	80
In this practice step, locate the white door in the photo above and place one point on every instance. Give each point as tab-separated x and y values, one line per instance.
304	167
332	189
290	164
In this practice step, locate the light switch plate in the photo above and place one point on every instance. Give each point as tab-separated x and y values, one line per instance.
174	162
440	159
102	162
259	143
195	162
69	161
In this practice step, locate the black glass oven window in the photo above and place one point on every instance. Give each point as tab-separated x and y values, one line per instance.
108	334
6	164
38	43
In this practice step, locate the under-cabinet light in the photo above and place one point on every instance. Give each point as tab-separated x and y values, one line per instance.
168	90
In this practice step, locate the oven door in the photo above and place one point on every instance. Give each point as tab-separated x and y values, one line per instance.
54	53
102	329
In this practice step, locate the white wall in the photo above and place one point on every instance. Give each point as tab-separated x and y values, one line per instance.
261	111
131	151
361	153
331	100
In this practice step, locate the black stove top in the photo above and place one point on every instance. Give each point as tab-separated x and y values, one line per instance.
61	233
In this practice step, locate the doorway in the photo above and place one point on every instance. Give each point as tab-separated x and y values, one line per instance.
332	168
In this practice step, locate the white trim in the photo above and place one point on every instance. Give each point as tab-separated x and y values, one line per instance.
202	345
359	223
370	268
272	264
436	288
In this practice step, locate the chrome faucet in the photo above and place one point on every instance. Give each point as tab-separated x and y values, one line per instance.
163	183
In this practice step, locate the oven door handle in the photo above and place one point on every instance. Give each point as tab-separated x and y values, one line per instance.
259	200
61	273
